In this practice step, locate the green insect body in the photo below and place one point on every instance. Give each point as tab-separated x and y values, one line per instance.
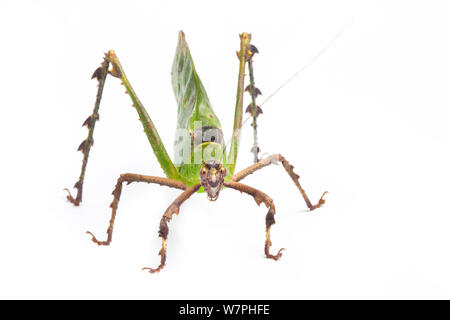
194	113
200	161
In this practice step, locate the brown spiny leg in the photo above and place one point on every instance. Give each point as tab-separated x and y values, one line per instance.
259	197
148	126
85	146
129	178
174	208
252	108
274	159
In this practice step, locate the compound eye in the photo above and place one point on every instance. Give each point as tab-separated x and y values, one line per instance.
203	171
223	171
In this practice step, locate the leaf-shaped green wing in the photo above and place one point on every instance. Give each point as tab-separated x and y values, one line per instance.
192	100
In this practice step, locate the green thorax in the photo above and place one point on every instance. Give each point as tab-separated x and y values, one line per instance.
195	117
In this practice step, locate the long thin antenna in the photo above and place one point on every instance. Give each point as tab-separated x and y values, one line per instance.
310	62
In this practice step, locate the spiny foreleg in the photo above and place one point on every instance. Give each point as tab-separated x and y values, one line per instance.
259	197
174	208
129	178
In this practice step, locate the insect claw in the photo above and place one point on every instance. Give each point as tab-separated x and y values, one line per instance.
277	256
320	202
74	201
151	270
267	246
90	233
69	194
94	239
161	253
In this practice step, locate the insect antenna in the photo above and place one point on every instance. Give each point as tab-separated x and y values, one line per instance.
308	64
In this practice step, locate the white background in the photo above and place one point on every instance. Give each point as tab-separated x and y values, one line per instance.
367	121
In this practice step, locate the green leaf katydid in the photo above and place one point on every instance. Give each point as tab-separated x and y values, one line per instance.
201	163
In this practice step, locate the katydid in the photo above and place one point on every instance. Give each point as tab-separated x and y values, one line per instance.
201	163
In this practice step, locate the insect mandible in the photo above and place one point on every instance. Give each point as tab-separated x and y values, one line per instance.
201	163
